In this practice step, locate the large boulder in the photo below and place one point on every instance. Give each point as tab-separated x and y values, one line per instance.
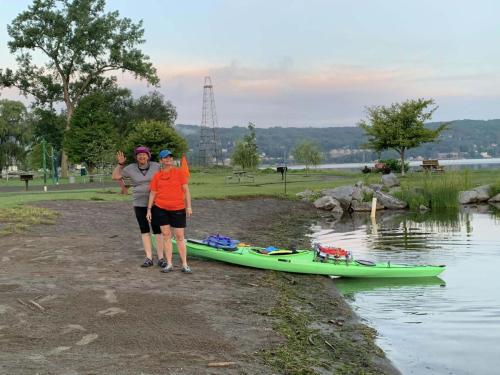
390	180
495	199
495	204
305	195
483	193
359	184
390	202
357	194
328	203
368	190
467	197
343	194
376	187
476	195
364	206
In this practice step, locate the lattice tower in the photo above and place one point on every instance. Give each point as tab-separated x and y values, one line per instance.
209	150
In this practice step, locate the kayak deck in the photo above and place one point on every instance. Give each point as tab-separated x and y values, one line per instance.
305	261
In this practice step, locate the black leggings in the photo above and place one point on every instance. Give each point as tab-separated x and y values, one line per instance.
140	214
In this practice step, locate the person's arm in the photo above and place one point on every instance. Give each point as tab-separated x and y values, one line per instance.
117	172
152	195
187	197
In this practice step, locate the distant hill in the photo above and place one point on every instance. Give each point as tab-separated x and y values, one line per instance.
464	139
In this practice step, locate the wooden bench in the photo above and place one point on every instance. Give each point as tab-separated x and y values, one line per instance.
93	177
239	176
432	166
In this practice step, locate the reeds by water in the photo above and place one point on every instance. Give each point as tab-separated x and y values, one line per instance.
436	191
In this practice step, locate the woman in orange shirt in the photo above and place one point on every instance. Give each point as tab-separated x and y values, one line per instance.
169	205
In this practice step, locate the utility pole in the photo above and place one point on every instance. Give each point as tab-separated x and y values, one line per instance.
44	159
209	152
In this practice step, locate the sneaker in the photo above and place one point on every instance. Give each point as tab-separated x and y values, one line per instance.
186	269
162	263
147	262
167	268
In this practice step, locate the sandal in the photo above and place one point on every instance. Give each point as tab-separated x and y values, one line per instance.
186	269
167	268
147	262
162	263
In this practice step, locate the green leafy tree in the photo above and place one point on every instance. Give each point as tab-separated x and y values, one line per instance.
14	132
81	43
92	137
154	107
400	126
156	135
49	126
246	153
308	153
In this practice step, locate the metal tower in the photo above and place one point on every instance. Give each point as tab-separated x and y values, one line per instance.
209	152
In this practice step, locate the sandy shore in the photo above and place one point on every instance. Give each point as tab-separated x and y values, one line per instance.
75	301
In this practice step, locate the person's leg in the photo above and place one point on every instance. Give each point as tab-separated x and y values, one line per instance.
140	214
159	243
181	245
178	223
146	242
167	243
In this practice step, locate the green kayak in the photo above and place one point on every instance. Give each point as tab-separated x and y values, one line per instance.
306	261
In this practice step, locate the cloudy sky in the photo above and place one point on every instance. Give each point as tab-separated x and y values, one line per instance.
313	62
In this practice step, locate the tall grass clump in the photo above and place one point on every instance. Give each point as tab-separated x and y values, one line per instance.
495	188
18	219
436	191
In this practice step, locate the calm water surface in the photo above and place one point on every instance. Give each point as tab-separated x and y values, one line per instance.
445	325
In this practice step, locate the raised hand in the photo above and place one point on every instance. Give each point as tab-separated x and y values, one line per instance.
120	157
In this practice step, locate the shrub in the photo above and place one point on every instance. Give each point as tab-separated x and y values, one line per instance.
395	165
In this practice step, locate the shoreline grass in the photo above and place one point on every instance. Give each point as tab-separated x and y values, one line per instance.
19	219
436	191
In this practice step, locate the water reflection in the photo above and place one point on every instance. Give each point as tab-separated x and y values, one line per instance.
423	327
349	287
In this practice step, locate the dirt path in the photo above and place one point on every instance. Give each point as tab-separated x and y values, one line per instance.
75	301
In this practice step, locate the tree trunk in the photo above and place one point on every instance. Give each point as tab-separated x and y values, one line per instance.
91	173
64	165
402	153
64	155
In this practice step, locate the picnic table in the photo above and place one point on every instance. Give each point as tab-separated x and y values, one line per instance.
432	166
238	176
93	177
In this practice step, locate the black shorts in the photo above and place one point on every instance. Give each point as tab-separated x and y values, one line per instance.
176	219
140	214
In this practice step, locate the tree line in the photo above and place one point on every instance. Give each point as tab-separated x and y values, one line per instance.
102	123
461	139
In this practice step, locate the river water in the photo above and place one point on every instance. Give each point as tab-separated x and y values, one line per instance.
445	325
414	164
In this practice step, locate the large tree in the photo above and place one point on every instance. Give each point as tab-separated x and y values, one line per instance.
14	132
130	112
157	135
246	153
48	126
92	137
154	107
308	152
81	43
400	126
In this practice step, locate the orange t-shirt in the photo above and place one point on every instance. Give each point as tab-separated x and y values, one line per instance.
168	188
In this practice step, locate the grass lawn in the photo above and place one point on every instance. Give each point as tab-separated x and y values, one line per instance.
214	185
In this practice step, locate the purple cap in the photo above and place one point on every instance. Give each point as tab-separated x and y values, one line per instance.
142	150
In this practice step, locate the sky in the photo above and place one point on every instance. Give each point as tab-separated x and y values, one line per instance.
312	63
